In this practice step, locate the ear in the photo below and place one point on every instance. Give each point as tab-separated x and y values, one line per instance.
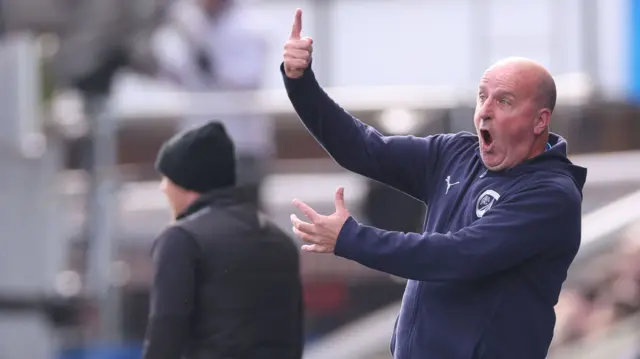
542	121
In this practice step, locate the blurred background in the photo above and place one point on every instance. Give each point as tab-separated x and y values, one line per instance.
90	88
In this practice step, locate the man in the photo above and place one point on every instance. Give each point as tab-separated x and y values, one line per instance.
503	222
226	282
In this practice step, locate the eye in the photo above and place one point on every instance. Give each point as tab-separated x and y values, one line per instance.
505	101
482	97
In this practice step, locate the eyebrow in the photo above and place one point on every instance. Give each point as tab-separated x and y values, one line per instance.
506	93
500	93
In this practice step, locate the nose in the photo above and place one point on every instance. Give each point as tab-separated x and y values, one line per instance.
485	112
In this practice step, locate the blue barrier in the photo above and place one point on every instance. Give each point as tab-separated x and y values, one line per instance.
634	49
103	351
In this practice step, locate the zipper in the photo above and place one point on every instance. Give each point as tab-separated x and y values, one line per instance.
454	210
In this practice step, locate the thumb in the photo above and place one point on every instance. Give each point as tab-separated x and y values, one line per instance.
339	200
296	28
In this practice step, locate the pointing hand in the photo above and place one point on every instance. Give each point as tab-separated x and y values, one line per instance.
297	51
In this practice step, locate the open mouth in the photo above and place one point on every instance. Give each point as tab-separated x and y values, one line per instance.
486	137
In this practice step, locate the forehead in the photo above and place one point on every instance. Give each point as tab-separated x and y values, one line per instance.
508	78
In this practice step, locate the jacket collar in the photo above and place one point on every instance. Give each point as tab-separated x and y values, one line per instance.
223	197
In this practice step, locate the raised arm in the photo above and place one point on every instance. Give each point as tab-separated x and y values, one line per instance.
403	162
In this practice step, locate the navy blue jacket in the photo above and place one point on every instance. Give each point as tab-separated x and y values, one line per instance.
486	273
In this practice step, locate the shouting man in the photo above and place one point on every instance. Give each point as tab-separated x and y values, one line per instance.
503	222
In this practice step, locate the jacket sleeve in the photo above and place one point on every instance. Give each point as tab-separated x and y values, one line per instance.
172	295
532	221
403	162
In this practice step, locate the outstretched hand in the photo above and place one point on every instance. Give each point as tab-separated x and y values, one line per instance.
322	232
297	50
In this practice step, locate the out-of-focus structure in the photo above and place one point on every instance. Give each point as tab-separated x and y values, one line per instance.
84	114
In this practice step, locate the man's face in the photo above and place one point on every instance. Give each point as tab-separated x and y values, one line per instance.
507	116
177	197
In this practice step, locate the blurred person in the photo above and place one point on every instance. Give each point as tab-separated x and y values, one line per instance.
572	312
226	281
218	45
504	212
602	315
625	291
625	286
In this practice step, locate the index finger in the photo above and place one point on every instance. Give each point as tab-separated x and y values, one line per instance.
296	28
308	211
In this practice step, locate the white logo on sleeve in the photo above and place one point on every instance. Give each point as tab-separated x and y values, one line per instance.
486	200
449	184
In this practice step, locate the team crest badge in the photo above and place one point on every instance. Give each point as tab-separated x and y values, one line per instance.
486	200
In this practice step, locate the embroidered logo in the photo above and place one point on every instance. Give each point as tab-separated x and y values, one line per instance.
449	184
486	200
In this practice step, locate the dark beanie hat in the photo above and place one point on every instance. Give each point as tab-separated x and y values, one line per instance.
200	159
